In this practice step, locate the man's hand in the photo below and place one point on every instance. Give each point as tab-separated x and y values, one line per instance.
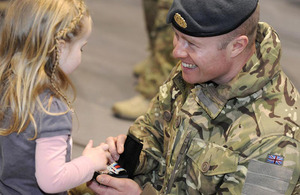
115	186
116	146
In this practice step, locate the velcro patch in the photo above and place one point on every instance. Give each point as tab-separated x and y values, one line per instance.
265	178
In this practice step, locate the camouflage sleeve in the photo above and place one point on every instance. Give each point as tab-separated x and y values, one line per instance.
270	165
149	190
149	129
297	188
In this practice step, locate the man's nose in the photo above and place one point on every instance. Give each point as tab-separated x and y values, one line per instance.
179	50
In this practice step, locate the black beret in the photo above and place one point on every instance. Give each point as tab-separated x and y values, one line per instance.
205	18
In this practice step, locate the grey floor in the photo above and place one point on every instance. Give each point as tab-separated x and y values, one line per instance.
119	40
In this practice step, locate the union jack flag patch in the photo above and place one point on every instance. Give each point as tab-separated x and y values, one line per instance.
275	159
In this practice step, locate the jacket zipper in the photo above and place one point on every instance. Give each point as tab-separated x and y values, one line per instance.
181	154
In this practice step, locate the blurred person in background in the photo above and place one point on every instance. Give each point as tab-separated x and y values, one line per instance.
154	70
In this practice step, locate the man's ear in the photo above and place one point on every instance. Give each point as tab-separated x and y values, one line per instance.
238	45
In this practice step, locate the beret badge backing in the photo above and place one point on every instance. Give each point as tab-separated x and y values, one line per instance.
180	20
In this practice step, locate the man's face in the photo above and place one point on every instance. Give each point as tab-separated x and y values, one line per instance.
202	61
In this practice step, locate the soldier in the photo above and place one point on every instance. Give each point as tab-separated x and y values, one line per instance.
227	119
154	70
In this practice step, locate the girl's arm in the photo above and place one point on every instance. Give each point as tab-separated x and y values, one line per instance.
53	173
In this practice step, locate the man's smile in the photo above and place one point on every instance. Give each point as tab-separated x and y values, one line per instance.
186	65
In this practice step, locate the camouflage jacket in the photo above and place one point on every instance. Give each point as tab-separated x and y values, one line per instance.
238	138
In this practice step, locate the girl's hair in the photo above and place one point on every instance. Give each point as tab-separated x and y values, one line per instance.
29	56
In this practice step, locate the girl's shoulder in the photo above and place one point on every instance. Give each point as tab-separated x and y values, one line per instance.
53	116
49	103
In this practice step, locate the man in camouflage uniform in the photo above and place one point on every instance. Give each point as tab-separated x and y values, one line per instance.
154	70
227	119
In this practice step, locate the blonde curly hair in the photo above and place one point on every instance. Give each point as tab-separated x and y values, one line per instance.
29	57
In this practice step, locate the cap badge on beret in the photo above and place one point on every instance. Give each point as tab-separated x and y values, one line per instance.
180	20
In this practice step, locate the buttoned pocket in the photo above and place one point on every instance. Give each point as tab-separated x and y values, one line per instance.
207	163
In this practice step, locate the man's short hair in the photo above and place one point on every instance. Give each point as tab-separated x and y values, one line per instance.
248	28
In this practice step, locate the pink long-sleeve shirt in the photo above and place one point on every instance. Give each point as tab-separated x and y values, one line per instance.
53	173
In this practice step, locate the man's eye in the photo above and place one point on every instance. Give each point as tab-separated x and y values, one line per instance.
81	49
190	43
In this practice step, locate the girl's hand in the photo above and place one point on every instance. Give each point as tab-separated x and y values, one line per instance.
99	155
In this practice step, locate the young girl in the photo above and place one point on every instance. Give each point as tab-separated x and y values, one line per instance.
41	43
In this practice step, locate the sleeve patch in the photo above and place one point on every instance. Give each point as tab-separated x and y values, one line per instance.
265	178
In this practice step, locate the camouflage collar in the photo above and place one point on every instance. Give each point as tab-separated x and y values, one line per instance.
262	67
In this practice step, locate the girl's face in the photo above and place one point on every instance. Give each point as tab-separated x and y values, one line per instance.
70	53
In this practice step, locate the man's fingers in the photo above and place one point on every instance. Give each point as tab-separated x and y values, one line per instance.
110	181
120	143
112	143
105	180
98	189
108	185
115	186
104	146
109	157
